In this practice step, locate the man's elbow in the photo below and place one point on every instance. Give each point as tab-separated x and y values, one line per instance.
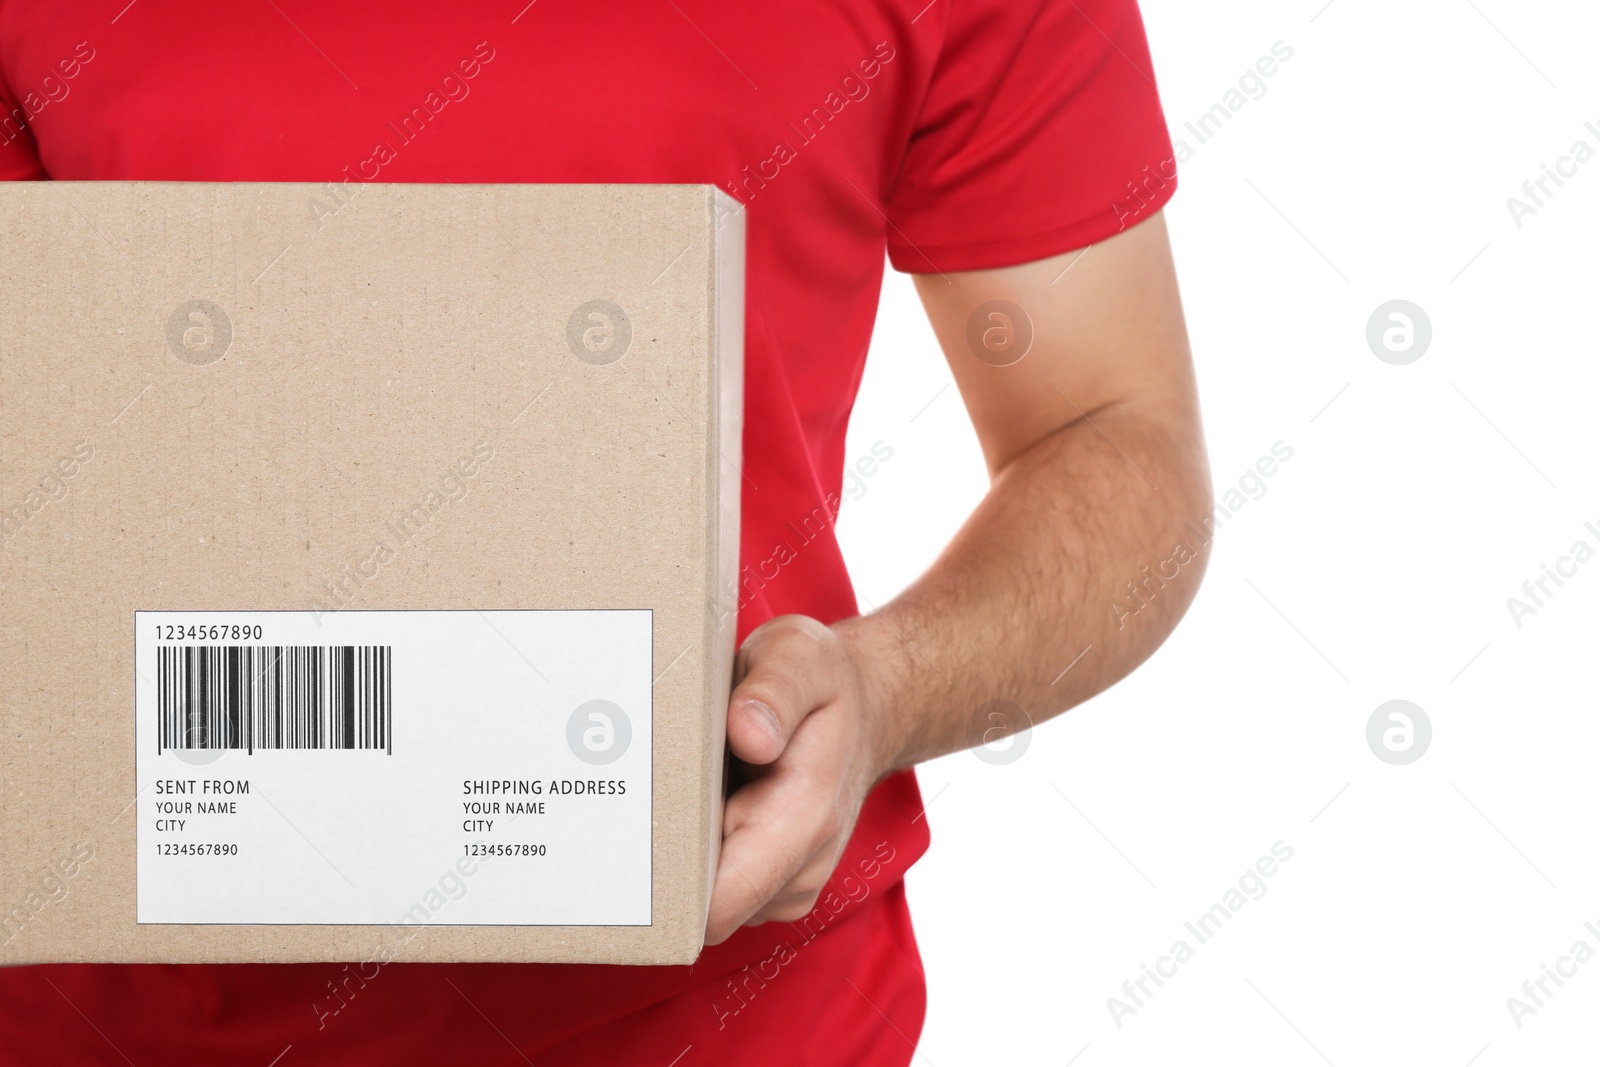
1147	607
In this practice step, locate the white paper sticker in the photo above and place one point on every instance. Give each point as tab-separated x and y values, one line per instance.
436	768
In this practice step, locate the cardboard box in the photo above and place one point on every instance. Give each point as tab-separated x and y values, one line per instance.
365	567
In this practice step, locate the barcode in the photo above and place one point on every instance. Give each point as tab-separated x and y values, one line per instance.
275	696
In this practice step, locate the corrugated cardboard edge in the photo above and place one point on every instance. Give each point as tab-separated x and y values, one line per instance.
727	300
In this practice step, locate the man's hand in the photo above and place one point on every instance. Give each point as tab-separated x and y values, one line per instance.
802	723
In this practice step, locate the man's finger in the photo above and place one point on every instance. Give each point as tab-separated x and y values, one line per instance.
766	845
797	898
788	669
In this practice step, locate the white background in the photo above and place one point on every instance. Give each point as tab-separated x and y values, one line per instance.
1377	566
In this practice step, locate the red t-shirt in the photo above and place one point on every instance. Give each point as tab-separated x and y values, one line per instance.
959	134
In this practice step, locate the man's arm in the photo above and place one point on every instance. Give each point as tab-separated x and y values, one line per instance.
1097	465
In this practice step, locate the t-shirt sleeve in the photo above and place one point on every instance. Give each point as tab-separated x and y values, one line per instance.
1041	132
